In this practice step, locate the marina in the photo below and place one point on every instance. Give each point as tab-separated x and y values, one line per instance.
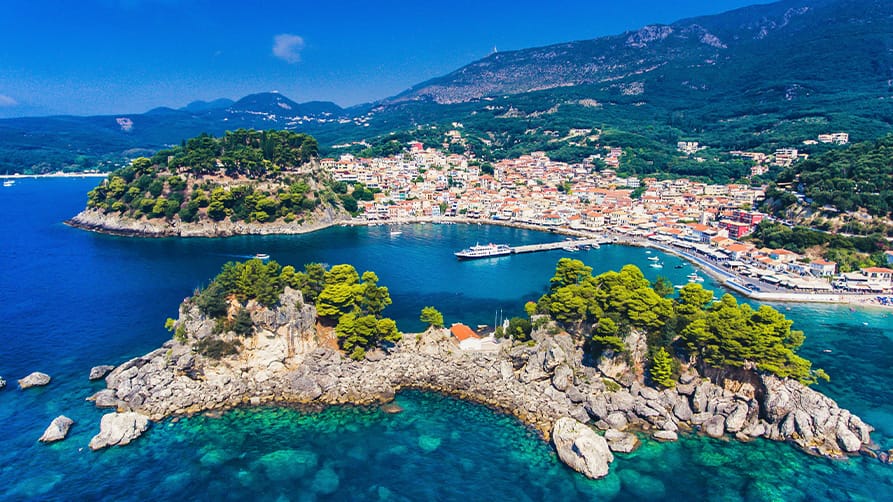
494	250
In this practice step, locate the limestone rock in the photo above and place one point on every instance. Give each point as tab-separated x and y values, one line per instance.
581	448
597	406
57	429
104	399
119	429
681	409
736	420
563	377
36	379
101	371
617	420
621	442
306	388
715	426
665	436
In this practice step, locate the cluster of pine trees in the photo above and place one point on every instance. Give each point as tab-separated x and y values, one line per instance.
608	306
196	180
353	303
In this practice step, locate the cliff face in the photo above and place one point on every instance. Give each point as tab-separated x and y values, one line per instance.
115	224
286	361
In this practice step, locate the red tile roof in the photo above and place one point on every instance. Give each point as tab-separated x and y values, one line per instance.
462	332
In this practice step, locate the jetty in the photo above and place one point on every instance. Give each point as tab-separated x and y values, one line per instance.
569	244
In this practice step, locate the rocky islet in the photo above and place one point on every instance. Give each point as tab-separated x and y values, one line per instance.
288	361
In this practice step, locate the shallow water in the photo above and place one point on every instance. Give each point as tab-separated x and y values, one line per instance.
70	300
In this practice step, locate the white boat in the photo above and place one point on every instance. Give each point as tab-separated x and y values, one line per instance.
262	256
656	265
647	251
487	251
653	258
694	277
9	183
395	233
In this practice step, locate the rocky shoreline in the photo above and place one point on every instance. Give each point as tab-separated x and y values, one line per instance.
544	384
98	221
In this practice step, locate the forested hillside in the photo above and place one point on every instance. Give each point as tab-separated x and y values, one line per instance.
246	175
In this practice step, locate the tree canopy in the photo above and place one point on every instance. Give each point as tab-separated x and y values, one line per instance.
246	175
723	333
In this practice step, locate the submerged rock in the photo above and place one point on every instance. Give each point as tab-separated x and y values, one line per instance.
101	371
119	429
429	443
392	408
57	429
283	465
621	442
581	448
36	379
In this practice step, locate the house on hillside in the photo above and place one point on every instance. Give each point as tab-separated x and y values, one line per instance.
466	337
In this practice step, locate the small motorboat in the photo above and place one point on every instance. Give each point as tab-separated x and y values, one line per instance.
653	258
262	256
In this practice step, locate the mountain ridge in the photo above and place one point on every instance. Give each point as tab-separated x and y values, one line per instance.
762	76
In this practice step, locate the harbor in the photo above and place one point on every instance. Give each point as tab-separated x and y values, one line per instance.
494	250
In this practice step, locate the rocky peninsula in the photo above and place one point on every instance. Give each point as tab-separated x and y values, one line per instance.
547	383
97	220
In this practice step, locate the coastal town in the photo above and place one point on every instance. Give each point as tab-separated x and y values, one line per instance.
705	223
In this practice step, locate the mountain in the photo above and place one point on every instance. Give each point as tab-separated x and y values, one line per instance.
202	106
761	77
792	43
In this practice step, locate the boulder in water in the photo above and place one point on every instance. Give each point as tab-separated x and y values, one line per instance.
581	448
98	372
57	430
119	429
36	379
666	436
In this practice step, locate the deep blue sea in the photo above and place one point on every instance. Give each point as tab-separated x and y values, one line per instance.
70	300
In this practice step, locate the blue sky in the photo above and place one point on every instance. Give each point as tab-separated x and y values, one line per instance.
114	56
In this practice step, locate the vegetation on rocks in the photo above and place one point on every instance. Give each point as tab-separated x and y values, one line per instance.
353	304
432	317
246	175
607	307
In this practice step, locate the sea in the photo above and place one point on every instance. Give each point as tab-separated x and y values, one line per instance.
71	299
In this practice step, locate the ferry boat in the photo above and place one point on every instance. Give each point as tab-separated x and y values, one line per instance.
487	251
262	256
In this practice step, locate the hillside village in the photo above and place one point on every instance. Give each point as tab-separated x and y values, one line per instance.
708	219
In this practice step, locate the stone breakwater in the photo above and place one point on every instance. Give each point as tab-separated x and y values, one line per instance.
116	224
543	384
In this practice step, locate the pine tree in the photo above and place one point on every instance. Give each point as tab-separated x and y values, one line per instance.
662	369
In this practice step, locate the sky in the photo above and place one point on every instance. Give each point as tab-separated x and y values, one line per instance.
90	57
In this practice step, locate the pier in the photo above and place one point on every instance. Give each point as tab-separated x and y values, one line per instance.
549	246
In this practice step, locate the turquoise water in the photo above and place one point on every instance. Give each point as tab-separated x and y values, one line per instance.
70	300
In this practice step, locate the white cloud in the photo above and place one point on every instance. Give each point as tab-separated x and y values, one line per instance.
7	101
287	47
